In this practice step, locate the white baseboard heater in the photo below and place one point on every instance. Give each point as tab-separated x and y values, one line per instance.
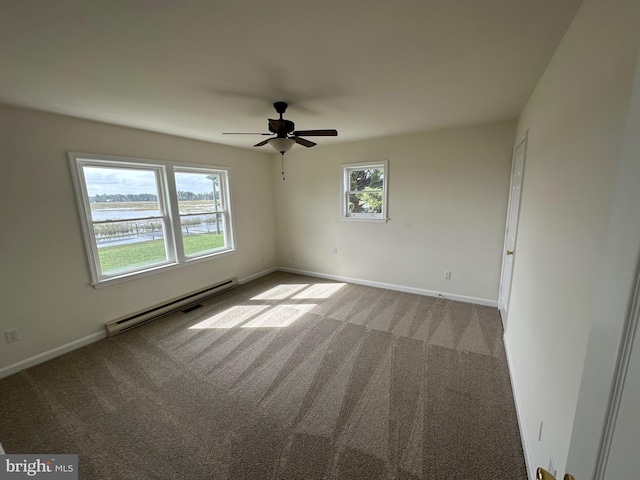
118	326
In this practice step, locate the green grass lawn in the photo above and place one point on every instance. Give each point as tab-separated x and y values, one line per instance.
118	258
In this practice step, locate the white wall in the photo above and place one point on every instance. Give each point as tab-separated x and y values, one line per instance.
44	275
608	319
576	121
447	204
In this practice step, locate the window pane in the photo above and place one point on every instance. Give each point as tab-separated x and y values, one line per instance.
198	192
365	203
121	193
130	245
198	197
202	233
371	178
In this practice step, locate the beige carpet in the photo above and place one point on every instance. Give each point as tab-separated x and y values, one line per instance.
286	377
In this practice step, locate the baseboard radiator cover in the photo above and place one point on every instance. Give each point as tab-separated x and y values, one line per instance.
123	324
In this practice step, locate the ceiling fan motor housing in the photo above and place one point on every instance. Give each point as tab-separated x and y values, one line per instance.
281	127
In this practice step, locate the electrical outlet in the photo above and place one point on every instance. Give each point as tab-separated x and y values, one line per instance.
334	250
447	275
11	335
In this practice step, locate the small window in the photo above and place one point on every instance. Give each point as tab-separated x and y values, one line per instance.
140	216
364	188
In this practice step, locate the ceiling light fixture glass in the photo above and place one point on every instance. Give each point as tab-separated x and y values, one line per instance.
282	145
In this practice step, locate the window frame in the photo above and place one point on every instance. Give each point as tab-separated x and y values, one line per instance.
345	192
169	212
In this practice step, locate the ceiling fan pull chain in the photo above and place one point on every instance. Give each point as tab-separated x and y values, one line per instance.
282	160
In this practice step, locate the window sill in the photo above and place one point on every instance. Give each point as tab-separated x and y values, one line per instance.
157	269
365	219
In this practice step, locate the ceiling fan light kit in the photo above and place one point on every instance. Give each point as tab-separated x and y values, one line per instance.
282	145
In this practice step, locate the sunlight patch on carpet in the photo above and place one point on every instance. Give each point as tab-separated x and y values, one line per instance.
320	290
231	317
281	291
280	316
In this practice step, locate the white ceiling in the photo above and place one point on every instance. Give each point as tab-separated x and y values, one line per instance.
198	68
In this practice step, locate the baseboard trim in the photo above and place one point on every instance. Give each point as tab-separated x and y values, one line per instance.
523	436
399	288
49	354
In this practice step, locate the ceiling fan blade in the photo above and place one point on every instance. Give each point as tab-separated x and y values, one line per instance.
317	133
245	133
264	142
304	141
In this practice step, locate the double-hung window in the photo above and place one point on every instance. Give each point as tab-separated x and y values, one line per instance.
139	216
364	191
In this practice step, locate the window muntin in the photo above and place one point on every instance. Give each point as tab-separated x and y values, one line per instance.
364	191
141	215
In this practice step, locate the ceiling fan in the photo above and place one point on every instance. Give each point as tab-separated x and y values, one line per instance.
285	133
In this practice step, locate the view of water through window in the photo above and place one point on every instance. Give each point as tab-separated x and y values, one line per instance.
129	222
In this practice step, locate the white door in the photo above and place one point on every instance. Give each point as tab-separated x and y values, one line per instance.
619	458
623	461
513	211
